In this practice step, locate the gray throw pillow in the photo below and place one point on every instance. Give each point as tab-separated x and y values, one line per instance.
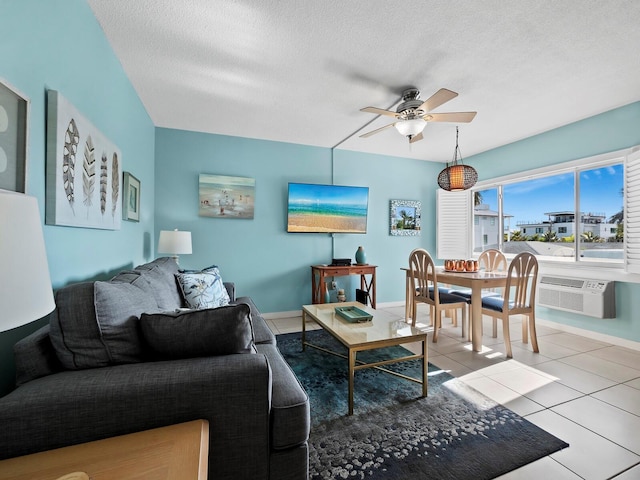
118	309
199	333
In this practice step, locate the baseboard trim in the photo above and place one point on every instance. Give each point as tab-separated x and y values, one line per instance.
602	337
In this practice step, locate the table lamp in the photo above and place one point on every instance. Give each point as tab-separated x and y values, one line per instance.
174	242
26	294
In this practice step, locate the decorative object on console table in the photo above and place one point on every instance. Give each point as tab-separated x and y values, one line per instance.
361	256
26	295
341	296
131	198
14	110
83	170
404	217
226	197
174	242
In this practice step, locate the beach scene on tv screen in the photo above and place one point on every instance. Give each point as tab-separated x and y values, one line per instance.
327	208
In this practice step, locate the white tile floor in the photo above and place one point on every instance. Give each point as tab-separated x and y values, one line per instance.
583	391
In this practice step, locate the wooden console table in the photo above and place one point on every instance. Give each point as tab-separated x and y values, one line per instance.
177	452
320	272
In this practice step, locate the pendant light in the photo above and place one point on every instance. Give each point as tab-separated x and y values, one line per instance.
457	176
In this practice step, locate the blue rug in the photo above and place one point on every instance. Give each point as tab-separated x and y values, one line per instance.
455	433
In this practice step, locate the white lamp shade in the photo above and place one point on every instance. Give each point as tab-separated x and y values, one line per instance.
410	127
25	292
174	242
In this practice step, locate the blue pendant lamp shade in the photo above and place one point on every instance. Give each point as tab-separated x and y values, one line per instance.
26	294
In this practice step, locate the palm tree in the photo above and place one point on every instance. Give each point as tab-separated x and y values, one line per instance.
618	217
550	236
477	198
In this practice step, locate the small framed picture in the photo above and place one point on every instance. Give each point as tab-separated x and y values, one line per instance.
404	217
13	139
131	198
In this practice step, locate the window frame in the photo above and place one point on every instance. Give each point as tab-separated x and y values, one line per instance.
603	269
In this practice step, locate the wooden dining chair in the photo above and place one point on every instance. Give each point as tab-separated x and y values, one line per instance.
518	298
424	285
490	260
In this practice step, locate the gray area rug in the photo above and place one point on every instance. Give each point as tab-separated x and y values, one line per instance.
455	433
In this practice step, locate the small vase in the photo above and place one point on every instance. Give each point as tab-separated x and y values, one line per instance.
361	256
327	296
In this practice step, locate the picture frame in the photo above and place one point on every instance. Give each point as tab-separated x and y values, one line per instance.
223	196
83	170
14	118
130	198
404	217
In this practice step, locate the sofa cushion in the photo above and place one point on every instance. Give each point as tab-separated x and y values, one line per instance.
118	309
290	413
199	333
261	330
75	334
161	277
35	356
203	289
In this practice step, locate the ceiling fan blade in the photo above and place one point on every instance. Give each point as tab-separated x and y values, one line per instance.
454	117
416	138
379	111
377	130
434	101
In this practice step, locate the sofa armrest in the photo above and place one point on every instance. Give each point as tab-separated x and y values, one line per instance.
232	392
231	290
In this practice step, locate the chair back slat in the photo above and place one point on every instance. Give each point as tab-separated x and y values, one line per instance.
492	260
521	281
423	275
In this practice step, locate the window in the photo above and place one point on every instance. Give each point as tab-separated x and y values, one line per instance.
570	212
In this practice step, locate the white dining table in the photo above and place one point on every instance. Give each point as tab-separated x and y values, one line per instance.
476	281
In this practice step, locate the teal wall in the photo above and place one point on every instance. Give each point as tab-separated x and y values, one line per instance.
59	45
266	262
607	132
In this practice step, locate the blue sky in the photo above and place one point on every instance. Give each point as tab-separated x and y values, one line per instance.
529	200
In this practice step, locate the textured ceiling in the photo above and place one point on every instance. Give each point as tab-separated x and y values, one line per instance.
300	71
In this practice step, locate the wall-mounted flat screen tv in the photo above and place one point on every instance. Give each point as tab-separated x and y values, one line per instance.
316	208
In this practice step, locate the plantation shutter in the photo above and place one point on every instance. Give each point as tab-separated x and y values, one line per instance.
632	212
454	224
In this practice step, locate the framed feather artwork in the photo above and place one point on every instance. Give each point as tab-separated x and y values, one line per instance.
14	108
84	168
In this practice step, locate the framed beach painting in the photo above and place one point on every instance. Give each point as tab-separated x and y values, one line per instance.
226	197
130	198
13	139
83	183
404	217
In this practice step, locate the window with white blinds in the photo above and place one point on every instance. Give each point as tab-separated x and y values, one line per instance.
454	220
455	211
632	212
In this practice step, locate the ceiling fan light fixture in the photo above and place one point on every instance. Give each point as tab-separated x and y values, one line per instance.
457	176
411	127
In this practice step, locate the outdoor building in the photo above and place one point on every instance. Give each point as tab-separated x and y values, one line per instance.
563	225
486	227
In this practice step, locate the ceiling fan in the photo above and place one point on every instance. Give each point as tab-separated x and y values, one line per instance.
413	114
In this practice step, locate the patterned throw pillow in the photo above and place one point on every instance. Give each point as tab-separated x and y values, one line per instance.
203	289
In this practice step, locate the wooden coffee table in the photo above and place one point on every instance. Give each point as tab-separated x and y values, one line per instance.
382	331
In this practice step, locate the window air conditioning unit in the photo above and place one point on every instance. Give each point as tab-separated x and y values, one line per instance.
595	298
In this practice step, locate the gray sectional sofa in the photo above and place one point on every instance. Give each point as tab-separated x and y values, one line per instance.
119	357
